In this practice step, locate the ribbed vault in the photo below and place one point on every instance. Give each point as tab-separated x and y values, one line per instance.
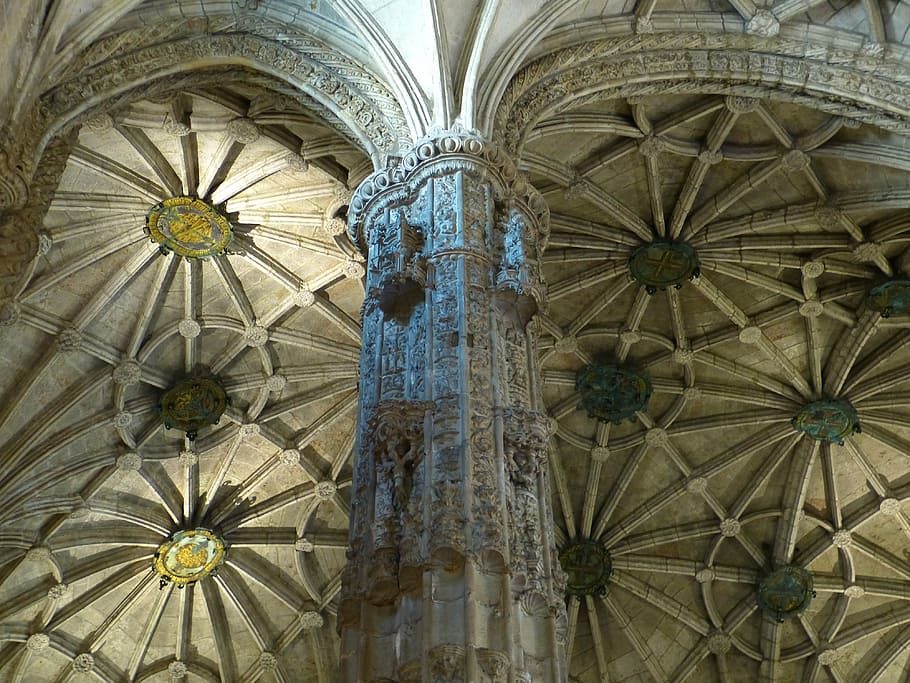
769	137
105	322
794	219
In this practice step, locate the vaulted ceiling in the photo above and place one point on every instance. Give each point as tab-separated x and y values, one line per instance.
93	483
711	488
796	207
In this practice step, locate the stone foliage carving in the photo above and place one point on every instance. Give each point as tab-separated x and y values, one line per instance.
127	373
57	591
268	661
177	669
243	130
129	462
494	664
83	662
38	641
763	23
176	128
311	620
447	664
257	336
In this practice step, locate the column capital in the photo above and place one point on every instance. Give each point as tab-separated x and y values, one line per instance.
443	152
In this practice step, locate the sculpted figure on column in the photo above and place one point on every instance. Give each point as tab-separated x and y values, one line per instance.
452	572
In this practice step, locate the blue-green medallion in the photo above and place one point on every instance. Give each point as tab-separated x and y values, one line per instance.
588	568
612	393
889	298
785	593
662	263
830	420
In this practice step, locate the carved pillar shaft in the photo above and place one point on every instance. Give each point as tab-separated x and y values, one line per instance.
451	574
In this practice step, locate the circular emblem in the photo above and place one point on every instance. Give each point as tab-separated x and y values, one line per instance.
612	393
189	227
890	298
661	264
188	556
588	568
786	592
192	404
827	420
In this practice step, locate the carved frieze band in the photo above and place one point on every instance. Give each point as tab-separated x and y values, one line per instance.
836	80
136	67
123	66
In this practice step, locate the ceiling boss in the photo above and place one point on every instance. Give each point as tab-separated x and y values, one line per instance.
189	227
188	556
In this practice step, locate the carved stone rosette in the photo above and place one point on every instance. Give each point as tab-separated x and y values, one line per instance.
452	573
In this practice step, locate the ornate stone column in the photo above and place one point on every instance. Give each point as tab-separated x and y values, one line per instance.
452	573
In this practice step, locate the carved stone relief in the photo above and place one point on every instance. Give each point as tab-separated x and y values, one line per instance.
397	444
835	80
19	229
451	472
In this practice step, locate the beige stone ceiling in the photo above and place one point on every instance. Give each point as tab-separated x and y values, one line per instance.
93	483
795	214
711	487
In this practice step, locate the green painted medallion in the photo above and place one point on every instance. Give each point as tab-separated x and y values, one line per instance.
830	420
588	568
612	393
662	263
890	298
192	403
